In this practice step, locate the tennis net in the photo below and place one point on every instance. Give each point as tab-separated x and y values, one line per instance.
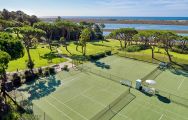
106	75
173	98
152	75
115	107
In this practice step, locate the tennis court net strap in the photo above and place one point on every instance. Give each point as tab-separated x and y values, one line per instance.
114	107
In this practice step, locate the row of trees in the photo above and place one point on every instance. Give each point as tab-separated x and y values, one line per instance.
151	39
10	48
15	35
18	17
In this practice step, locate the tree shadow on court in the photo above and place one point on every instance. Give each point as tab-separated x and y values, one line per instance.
102	65
163	99
179	71
41	88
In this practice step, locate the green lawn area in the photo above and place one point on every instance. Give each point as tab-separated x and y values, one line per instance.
39	61
93	48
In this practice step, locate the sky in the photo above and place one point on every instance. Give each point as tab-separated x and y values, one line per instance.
152	8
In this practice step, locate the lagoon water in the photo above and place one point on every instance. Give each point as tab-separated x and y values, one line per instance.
147	26
105	33
126	18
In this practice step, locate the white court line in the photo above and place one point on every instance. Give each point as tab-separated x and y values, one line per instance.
58	110
181	83
166	110
161	117
104	106
65	106
78	95
94	100
69	107
158	112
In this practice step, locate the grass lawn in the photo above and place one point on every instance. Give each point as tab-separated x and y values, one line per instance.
39	61
93	48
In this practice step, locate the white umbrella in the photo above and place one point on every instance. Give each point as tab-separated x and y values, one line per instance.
150	82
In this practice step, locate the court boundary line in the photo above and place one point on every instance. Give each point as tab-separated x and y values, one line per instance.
65	106
161	117
181	84
180	116
57	109
164	89
156	111
105	106
69	107
77	95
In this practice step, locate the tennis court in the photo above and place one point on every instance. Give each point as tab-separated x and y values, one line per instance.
174	82
126	68
79	96
96	94
151	108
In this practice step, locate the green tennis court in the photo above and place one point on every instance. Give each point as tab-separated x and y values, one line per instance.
80	96
93	95
151	108
126	68
174	82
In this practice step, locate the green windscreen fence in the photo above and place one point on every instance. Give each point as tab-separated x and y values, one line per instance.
106	75
114	107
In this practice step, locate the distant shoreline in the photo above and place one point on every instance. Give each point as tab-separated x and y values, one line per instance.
117	21
177	31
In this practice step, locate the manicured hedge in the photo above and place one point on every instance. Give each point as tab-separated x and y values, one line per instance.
97	56
136	48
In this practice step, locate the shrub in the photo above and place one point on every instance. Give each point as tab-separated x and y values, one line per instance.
108	52
16	80
133	48
40	71
107	66
52	70
28	76
97	56
137	48
46	72
65	68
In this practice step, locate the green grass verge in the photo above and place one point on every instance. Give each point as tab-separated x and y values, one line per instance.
92	49
35	55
